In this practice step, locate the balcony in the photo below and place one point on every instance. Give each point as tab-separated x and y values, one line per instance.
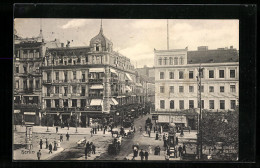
28	90
96	96
46	81
16	105
95	80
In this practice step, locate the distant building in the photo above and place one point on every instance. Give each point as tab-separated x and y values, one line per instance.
28	54
176	85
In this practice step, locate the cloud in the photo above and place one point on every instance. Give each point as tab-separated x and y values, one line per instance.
74	23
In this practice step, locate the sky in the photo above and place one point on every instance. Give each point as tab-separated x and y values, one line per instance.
136	38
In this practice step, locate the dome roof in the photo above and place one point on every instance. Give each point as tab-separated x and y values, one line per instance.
100	38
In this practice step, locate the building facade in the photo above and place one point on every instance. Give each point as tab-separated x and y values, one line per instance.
89	81
176	83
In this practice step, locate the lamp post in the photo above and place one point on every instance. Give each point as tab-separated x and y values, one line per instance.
46	122
199	138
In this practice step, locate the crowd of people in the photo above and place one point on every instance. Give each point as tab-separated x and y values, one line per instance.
89	149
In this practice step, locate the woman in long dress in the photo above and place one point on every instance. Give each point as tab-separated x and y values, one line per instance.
150	149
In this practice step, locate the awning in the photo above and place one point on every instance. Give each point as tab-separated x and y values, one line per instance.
138	84
174	119
113	71
29	113
128	76
96	70
96	102
128	88
113	101
96	87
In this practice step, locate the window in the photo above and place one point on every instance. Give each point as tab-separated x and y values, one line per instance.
190	74
171	61
65	91
17	69
74	75
201	72
181	104
181	75
65	62
161	89
181	61
171	89
17	84
25	84
25	69
57	103
202	104
232	88
201	88
48	103
57	75
83	103
221	74
181	89
211	73
83	77
74	102
74	89
172	104
191	104
222	104
37	84
232	104
211	89
161	75
83	90
65	76
57	89
175	61
211	104
160	61
48	76
65	103
162	104
191	89
232	74
165	60
222	89
171	75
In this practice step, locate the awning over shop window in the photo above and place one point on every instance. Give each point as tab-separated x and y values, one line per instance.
96	102
96	70
128	76
128	88
96	87
113	71
138	84
29	113
113	101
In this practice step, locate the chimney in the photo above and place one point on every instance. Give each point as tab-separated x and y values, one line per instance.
231	47
68	44
62	45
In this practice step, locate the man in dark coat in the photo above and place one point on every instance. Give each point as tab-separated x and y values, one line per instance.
95	130
47	144
61	137
146	154
57	129
41	143
86	152
184	148
68	136
39	154
141	154
180	151
93	149
157	136
50	148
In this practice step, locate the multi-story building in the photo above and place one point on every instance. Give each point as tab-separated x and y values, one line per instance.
176	83
28	54
88	81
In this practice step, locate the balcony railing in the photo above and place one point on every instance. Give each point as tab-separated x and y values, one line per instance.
95	80
16	105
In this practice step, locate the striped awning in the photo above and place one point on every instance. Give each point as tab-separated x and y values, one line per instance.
113	101
128	88
128	76
113	71
96	87
96	102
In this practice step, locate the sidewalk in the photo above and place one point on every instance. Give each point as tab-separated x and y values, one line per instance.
152	157
187	135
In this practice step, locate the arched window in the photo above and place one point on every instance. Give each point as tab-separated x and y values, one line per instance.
175	61
171	61
165	60
160	61
181	61
172	104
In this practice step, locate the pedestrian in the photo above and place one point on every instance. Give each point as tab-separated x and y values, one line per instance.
95	130
55	146
57	129
39	154
61	137
41	143
104	131
146	154
90	147
68	126
98	127
86	153
68	136
154	129
159	150
47	144
50	148
157	136
141	154
184	148
149	133
189	129
93	149
150	149
101	128
180	151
